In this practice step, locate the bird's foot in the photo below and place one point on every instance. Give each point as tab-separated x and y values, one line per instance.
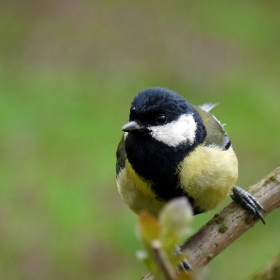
248	202
184	265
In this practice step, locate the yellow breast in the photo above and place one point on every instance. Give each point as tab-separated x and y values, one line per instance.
207	175
136	191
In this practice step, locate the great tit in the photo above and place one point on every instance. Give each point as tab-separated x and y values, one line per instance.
170	149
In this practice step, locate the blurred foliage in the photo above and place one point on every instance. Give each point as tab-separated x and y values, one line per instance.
68	72
161	237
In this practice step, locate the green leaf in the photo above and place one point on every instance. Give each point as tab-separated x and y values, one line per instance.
148	228
175	219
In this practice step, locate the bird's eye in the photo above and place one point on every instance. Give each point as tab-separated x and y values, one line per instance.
161	119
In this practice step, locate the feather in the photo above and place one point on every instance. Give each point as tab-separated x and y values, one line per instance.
207	107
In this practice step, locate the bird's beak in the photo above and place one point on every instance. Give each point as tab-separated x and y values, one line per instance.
133	126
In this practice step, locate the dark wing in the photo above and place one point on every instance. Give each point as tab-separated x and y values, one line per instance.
121	157
216	135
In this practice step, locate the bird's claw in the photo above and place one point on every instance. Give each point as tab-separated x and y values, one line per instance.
247	201
184	265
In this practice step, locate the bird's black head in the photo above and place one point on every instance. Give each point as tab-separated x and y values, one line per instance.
162	129
157	106
166	117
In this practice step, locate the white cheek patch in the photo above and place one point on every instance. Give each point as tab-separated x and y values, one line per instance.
176	132
125	135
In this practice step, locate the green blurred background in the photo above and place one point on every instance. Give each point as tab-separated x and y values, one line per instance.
68	72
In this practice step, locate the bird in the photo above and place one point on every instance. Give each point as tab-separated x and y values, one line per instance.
171	148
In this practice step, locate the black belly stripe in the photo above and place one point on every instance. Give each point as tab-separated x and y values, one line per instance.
166	191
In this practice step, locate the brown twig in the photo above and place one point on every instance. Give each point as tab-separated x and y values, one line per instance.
163	262
230	223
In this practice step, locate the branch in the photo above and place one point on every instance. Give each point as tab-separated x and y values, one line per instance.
162	259
270	271
230	223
